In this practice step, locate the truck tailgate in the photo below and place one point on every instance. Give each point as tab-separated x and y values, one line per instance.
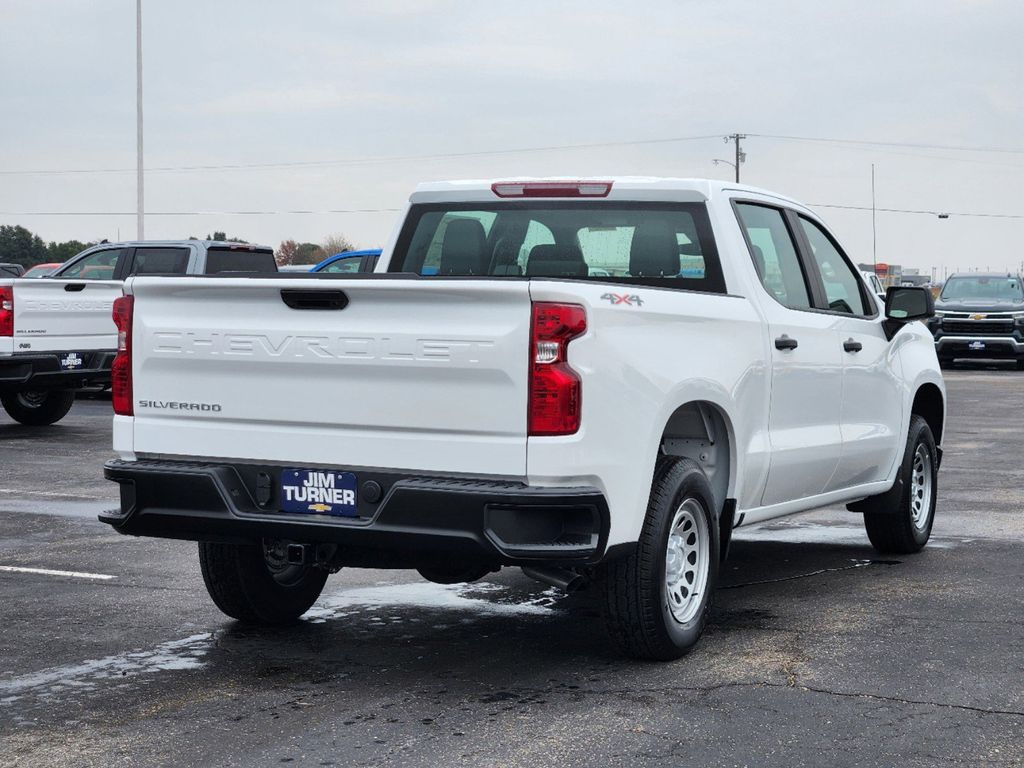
57	315
410	374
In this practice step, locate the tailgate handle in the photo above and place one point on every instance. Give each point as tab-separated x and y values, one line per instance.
300	299
74	287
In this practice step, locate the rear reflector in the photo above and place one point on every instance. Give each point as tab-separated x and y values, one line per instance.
121	370
551	188
6	310
555	389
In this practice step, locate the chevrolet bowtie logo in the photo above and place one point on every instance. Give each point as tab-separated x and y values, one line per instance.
978	317
319	508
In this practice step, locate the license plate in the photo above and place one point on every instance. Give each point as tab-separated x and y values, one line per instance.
977	345
71	361
318	492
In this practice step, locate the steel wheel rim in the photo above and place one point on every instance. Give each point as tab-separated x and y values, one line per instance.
275	555
31	398
687	557
921	487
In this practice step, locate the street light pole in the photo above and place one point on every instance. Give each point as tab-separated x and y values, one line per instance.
718	160
874	238
140	212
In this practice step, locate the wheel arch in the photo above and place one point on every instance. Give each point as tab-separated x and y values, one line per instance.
930	404
702	430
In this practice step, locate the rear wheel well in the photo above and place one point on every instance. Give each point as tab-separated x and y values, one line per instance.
928	405
700	431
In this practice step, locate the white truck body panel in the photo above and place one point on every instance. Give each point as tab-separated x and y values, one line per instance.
627	402
421	376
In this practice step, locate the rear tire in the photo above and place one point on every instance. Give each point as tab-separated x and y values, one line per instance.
247	583
1020	364
906	527
37	409
656	600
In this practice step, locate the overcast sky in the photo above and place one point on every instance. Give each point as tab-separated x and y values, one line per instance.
354	95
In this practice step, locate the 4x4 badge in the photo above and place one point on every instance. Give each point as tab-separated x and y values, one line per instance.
630	300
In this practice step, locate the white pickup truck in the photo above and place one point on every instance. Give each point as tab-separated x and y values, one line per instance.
593	380
57	334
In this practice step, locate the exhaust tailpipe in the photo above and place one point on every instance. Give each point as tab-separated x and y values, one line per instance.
566	580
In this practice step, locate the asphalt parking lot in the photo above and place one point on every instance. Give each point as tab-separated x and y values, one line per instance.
819	652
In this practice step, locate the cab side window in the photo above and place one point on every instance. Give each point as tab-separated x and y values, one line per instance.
842	285
157	261
774	254
96	266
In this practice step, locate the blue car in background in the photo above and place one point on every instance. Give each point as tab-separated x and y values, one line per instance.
349	262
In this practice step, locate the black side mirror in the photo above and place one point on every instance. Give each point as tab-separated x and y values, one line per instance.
905	304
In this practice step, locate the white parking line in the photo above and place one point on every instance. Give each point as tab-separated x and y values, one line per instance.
52	494
48	572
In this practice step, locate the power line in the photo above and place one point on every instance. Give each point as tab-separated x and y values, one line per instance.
300	212
904	145
926	213
202	213
499	152
357	161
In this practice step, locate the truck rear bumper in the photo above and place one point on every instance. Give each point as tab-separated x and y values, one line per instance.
52	370
497	522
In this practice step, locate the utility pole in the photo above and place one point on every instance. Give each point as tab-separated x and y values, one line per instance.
874	237
741	156
140	212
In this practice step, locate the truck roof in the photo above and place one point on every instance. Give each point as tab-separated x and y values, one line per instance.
204	243
653	188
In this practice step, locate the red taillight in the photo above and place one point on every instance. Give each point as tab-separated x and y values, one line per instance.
555	389
551	188
121	371
6	310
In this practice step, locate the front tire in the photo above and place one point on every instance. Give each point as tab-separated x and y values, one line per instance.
37	408
250	583
657	600
906	527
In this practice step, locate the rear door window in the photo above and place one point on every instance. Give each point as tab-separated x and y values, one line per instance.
239	260
160	261
774	254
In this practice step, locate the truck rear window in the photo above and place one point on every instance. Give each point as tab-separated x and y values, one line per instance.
661	244
239	260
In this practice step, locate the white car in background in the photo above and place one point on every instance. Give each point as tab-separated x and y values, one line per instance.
874	284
